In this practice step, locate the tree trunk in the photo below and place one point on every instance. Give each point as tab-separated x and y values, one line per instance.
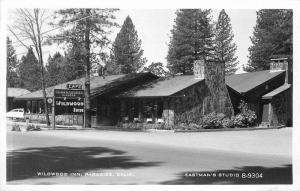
43	82
87	72
42	71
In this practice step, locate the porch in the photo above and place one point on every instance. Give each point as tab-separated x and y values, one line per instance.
112	111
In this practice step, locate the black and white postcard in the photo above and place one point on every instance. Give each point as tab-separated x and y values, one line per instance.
175	95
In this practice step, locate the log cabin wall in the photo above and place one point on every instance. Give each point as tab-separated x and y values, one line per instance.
107	111
188	104
281	109
235	98
253	97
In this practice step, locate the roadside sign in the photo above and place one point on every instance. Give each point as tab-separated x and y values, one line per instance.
49	100
74	86
68	102
68	93
72	106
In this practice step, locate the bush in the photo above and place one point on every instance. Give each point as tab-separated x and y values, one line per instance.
194	116
246	117
15	127
195	126
33	128
153	126
239	121
135	126
227	123
213	120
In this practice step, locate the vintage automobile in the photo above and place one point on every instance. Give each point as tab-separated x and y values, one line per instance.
15	114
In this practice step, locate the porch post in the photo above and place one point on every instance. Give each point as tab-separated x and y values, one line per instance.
165	112
140	110
144	103
155	110
171	112
122	109
31	107
53	114
270	114
131	110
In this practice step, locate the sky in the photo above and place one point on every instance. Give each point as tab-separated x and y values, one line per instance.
154	26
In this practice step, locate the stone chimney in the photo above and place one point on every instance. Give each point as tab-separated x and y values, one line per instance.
199	69
281	64
215	73
218	99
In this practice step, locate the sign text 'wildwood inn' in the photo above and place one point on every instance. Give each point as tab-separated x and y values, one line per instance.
68	101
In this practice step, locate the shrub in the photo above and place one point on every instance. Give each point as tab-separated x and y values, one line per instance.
246	117
154	126
227	123
33	128
213	120
239	121
195	126
165	127
130	126
15	127
193	116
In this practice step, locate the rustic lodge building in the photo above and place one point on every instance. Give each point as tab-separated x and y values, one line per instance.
147	98
11	94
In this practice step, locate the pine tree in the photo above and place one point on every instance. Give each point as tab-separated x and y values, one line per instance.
224	46
272	36
156	68
127	55
12	64
74	66
192	39
61	68
86	29
30	72
55	73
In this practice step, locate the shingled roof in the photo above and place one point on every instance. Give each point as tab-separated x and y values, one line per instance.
277	91
162	87
14	92
245	82
99	85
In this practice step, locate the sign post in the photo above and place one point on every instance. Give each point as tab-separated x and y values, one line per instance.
78	87
83	116
53	112
50	102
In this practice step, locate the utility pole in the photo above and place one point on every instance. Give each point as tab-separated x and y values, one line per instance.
87	117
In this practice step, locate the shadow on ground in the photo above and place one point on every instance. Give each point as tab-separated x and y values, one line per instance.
276	175
25	163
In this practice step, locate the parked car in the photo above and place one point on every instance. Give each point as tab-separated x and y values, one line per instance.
15	114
